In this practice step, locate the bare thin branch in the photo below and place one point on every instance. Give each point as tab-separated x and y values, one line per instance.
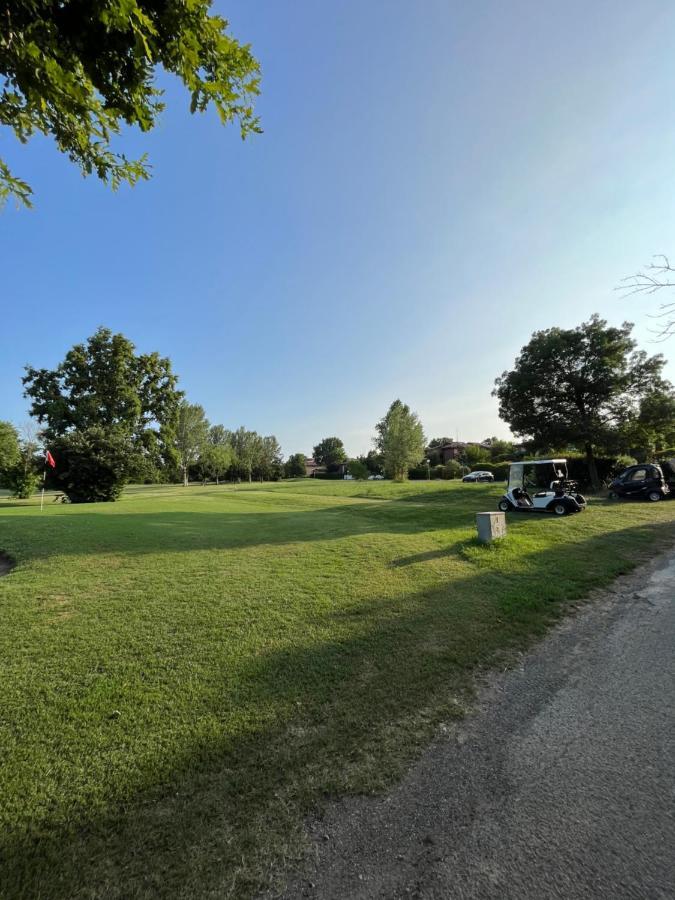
654	277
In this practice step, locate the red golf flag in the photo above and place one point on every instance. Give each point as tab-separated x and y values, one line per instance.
49	459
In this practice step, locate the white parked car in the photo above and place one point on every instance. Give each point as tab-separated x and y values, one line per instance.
376	478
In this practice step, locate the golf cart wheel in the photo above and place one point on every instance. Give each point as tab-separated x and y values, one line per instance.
560	509
654	496
612	495
504	505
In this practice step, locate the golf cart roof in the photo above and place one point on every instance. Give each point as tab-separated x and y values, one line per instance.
543	462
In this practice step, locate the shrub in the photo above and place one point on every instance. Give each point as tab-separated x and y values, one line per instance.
21	482
453	469
295	465
92	465
9	446
358	469
22	477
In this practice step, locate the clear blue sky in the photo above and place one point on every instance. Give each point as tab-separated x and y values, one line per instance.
435	181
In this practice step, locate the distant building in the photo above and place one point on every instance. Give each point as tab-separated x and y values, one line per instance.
312	467
455	449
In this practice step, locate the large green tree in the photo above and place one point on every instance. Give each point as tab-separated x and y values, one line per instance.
18	463
217	456
295	465
330	452
93	464
214	460
9	445
247	446
400	440
651	433
81	71
192	433
104	384
270	458
579	387
220	436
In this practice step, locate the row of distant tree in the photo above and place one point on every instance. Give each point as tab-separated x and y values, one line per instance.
109	416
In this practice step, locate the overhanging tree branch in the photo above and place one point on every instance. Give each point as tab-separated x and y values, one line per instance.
655	277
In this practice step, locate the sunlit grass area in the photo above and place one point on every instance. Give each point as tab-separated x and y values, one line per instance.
187	672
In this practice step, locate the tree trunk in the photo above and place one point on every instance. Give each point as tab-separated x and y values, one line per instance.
592	468
185	476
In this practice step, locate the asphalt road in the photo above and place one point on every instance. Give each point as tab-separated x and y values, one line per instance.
560	785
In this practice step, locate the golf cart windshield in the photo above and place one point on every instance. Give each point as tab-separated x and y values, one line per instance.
537	476
516	476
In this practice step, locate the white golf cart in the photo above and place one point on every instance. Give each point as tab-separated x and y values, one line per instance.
541	485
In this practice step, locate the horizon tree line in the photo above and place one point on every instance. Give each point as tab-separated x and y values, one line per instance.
112	416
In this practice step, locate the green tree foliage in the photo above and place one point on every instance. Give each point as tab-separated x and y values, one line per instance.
93	464
214	461
295	465
500	450
247	446
330	452
216	456
104	384
652	432
453	469
9	446
374	462
400	440
358	469
192	431
473	454
221	457
269	463
579	387
19	467
220	436
81	72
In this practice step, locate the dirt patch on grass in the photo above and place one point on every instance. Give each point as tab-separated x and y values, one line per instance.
6	564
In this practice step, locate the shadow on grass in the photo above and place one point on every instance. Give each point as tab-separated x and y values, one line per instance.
443	553
339	715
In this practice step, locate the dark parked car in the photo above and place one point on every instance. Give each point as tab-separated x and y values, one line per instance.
479	476
642	482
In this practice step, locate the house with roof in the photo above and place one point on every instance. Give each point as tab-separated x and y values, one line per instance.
455	449
312	467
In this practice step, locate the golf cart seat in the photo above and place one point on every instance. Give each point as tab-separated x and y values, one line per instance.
522	497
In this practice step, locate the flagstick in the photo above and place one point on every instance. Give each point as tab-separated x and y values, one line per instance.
42	498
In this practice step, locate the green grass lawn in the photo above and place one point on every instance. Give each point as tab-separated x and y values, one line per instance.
185	673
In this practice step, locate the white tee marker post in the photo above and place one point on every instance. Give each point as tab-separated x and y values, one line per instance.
490	525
